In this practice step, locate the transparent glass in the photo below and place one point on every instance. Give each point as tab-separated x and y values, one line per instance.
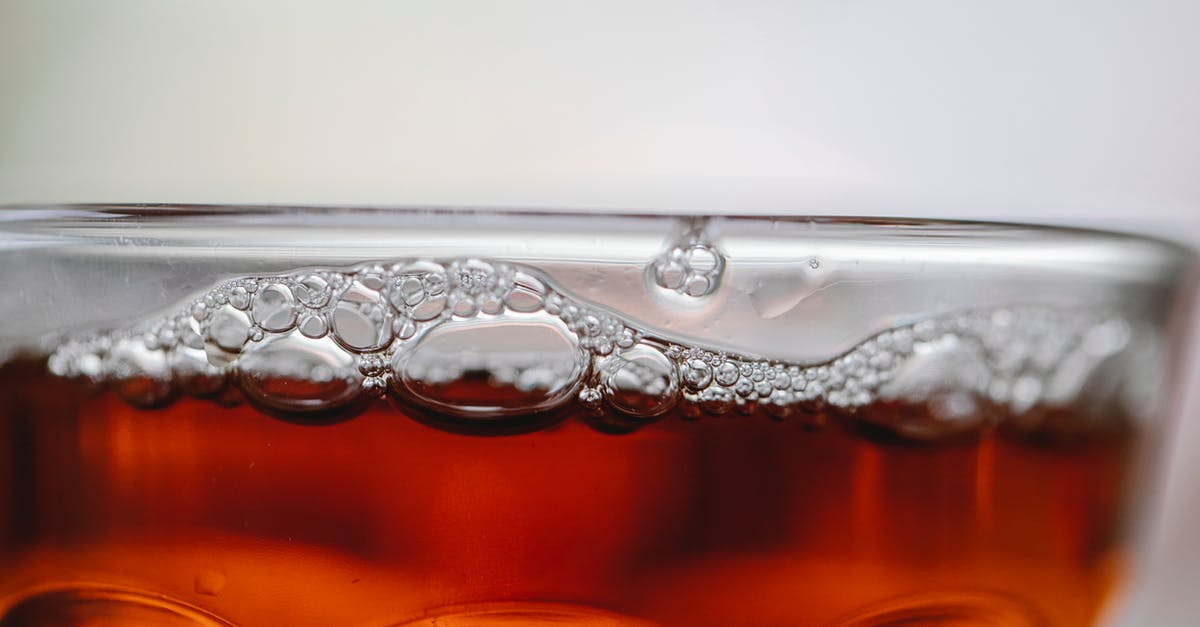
335	416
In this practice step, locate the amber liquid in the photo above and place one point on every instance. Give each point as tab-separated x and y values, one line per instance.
226	514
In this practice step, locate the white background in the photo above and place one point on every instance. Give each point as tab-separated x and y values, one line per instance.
1076	112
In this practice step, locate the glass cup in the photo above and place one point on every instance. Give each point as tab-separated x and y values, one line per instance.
309	416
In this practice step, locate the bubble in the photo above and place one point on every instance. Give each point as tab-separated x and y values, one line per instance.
418	290
361	322
314	326
671	275
450	352
190	337
1025	393
193	372
228	331
372	279
639	382
716	400
274	308
781	404
472	276
140	376
296	376
590	397
239	297
701	259
697	286
430	308
726	374
313	291
527	294
697	374
408	292
763	388
462	304
691	269
744	387
209	582
947	363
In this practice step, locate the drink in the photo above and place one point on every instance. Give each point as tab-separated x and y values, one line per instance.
717	521
460	442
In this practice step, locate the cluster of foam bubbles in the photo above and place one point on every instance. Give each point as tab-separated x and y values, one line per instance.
319	344
691	268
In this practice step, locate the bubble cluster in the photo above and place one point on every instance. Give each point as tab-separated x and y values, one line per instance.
319	345
1001	356
692	269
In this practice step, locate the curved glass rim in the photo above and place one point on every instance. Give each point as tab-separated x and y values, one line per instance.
39	212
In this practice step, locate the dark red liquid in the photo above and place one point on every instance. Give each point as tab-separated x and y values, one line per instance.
382	520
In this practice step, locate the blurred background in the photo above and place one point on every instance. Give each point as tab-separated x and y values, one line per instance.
1066	112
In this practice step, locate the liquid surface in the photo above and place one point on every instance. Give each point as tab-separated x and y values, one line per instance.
319	345
380	520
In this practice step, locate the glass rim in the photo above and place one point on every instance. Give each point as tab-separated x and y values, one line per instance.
914	224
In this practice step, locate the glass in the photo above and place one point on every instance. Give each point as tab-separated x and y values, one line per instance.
307	416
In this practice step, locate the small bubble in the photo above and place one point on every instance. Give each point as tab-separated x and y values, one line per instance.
229	329
701	259
671	275
744	387
430	308
590	397
372	281
1025	393
780	405
266	370
463	304
716	400
408	291
209	582
313	291
697	374
144	377
527	293
239	297
814	263
727	374
640	382
361	321
697	286
314	326
274	308
491	305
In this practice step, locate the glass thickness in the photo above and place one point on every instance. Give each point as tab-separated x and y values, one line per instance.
337	416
